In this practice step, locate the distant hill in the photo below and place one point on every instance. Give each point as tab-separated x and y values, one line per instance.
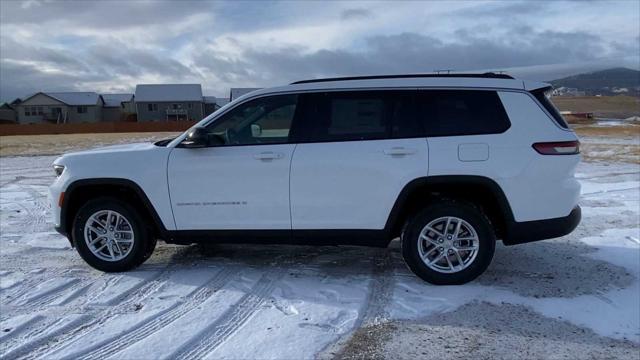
616	81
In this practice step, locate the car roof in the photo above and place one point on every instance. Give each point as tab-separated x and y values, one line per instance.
498	81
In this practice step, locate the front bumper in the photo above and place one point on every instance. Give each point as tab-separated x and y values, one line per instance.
528	231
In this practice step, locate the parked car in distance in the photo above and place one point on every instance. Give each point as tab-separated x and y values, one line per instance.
448	163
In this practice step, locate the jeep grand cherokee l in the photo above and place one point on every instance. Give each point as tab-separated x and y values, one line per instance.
448	163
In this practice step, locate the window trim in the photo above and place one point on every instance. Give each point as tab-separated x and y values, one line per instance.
217	116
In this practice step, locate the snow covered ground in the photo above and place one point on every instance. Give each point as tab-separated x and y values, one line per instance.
577	296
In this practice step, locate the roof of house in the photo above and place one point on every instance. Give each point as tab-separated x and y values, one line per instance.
5	105
75	98
222	101
168	92
115	100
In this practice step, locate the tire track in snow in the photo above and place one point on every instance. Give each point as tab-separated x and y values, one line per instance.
149	327
37	217
47	296
22	328
380	291
230	321
97	317
27	285
25	347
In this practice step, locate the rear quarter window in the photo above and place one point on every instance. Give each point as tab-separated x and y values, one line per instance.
543	96
461	112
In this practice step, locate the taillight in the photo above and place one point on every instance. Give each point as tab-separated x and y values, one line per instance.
558	148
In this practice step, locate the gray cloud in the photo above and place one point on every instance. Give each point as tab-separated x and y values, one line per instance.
100	14
356	13
112	45
406	52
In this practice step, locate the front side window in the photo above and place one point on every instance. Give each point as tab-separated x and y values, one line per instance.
81	109
461	112
262	121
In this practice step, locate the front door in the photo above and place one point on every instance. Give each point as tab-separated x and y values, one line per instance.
241	182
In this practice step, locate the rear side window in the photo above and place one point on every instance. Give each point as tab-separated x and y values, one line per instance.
461	112
343	116
543	96
360	115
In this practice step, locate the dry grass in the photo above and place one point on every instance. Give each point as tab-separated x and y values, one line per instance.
57	144
619	107
609	143
599	143
623	131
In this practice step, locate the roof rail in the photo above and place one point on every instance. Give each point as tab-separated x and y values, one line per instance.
487	75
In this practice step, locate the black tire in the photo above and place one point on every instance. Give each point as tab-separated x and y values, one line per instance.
465	211
143	243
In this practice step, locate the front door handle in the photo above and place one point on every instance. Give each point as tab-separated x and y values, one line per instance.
268	155
399	151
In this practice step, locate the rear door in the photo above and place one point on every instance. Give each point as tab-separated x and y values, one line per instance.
357	152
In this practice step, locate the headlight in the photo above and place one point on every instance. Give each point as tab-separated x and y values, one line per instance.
58	169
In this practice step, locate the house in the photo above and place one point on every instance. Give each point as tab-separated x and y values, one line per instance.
117	106
7	114
237	92
60	108
169	102
222	102
210	104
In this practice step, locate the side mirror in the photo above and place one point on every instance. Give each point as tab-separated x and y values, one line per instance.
196	138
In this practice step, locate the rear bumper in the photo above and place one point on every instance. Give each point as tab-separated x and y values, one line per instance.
528	231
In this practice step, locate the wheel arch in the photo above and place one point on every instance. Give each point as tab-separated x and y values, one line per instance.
479	190
81	191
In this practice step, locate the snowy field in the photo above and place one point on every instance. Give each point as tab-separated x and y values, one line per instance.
577	296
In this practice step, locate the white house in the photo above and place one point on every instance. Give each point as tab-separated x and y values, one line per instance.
60	108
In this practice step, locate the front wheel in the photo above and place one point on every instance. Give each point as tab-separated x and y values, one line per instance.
110	235
448	243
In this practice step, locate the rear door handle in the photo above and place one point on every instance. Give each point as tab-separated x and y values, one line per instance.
268	155
399	150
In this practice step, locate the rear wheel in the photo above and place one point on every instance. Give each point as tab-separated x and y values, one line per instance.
110	235
448	243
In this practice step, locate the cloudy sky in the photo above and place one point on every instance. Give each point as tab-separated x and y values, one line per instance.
109	46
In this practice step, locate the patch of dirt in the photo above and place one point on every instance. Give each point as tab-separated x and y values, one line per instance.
483	330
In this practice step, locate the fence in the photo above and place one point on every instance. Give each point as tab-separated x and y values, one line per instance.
86	128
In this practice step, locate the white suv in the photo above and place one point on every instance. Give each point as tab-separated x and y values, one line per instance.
448	163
